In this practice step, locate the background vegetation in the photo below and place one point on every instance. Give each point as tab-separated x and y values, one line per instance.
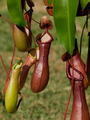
51	103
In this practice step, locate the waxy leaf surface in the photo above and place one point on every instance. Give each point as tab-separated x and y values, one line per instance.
64	19
15	12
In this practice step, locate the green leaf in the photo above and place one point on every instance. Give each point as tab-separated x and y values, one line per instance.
15	12
64	19
49	1
84	3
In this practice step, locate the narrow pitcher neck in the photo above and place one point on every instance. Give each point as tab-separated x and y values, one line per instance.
44	49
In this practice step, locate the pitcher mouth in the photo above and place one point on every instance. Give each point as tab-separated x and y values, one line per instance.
43	37
33	53
17	65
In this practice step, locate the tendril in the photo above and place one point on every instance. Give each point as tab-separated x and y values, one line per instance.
6	20
83	32
3	64
10	67
36	21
